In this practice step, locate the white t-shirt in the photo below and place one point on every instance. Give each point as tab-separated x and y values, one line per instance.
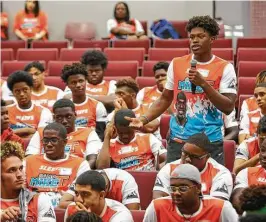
228	213
129	189
245	121
229	121
112	23
221	183
93	145
6	93
242	150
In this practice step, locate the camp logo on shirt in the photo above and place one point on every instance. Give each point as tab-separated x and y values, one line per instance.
48	181
81	121
20	126
262	179
185	85
95	90
128	162
127	149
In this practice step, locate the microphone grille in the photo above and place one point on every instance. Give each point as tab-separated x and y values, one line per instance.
193	62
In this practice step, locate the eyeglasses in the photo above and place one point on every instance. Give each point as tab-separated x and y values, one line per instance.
53	140
191	156
180	189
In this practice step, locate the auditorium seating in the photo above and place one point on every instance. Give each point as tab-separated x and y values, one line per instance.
60	214
164	125
180	27
246	85
109	78
224	53
9	67
138	215
26	142
240	102
222	43
251	54
250	43
145	181
55	81
7	55
13	44
125	54
145	43
171	43
250	68
147	68
229	154
49	44
73	54
144	81
166	54
80	30
91	44
55	67
37	54
122	68
144	26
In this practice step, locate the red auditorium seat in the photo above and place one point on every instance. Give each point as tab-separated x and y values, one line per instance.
115	78
250	69
138	215
145	181
121	68
55	81
221	32
251	54
73	54
80	30
26	143
144	81
222	43
145	43
164	142
49	44
171	43
13	44
160	54
55	67
144	26
250	43
164	125
224	53
125	54
240	102
37	54
91	44
147	68
246	85
229	154
180	27
7	54
9	67
60	214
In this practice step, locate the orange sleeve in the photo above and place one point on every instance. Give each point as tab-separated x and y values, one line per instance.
4	22
17	21
43	22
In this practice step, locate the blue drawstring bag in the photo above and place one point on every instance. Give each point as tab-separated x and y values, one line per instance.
164	30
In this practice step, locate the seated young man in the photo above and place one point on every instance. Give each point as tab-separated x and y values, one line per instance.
247	153
25	116
97	88
126	92
42	94
186	202
18	203
120	186
249	122
216	180
90	112
90	193
53	171
130	150
250	176
7	134
81	141
149	94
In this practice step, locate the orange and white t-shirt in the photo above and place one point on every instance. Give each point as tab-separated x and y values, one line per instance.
53	176
104	88
48	97
250	176
140	154
216	180
248	149
113	211
34	117
249	123
123	187
148	95
39	208
89	112
248	105
211	209
81	142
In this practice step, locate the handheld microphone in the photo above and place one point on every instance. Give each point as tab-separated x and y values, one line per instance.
193	64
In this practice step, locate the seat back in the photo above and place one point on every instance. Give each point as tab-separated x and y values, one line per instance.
55	81
144	26
251	54
55	67
250	43
171	43
115	78
91	44
246	85
122	68
13	44
80	30
164	125
37	54
162	54
125	54
180	27
9	67
138	215
229	154
49	44
250	68
224	53
73	54
222	43
144	81
7	55
60	214
145	181
145	43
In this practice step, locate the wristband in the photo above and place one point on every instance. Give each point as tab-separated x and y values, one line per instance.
146	119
